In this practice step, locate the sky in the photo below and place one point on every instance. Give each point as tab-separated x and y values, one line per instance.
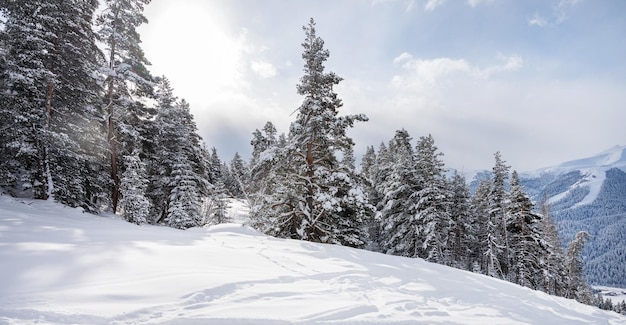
541	81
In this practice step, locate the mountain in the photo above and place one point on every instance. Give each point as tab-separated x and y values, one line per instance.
589	194
62	266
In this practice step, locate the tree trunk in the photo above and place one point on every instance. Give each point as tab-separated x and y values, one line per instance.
115	194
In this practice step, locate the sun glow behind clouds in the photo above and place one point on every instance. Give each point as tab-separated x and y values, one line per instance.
189	42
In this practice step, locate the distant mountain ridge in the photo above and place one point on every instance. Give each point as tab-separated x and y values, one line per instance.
587	194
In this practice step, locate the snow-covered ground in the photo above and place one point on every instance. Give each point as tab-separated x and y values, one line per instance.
61	266
615	294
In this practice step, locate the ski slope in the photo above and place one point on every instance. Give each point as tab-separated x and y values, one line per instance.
61	266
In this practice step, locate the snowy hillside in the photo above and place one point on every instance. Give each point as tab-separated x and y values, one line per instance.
62	266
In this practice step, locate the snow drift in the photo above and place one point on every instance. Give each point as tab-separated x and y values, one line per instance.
62	266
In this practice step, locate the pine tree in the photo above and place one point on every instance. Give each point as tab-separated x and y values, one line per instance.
368	175
133	202
577	287
216	206
239	172
50	101
431	202
400	229
497	234
523	226
162	157
487	245
463	225
126	76
310	199
554	272
178	164
184	202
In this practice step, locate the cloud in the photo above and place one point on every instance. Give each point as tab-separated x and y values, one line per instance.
410	4
537	20
474	3
432	4
559	14
264	70
432	71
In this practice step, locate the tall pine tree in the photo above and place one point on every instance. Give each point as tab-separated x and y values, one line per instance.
310	199
126	77
50	101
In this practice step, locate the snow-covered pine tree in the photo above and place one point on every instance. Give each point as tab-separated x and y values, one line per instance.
134	205
577	287
553	273
525	237
239	173
126	76
215	167
384	162
487	245
50	100
399	234
463	225
183	210
497	234
368	174
308	201
430	202
189	173
178	162
161	157
216	205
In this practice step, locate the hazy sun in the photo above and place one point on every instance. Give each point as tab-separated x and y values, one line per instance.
190	43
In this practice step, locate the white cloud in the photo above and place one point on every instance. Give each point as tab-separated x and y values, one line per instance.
568	3
474	3
432	4
507	64
264	70
410	4
537	20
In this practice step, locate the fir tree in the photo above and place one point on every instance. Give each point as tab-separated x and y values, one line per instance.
239	172
577	287
554	272
431	202
526	239
400	229
216	206
463	225
126	75
309	201
499	249
50	88
133	203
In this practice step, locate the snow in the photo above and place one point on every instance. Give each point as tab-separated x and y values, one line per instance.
62	266
615	294
593	168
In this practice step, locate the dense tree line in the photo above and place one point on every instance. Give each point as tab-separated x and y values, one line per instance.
85	123
304	185
75	121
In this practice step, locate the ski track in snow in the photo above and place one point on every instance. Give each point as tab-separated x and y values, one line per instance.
62	266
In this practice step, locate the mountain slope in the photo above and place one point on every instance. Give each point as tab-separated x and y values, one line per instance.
60	266
589	194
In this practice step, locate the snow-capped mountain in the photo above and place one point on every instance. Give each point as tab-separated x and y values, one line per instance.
589	194
573	178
